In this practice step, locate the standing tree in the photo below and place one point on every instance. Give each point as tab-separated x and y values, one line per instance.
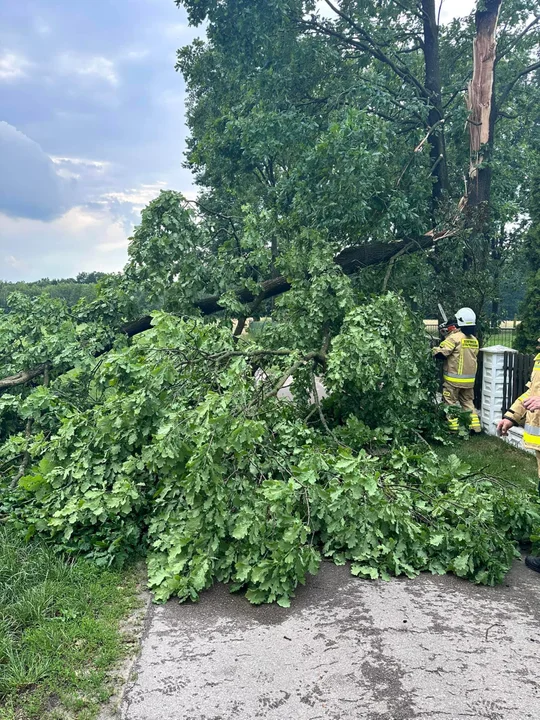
282	74
529	329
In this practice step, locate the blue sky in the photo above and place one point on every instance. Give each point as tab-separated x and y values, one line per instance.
91	127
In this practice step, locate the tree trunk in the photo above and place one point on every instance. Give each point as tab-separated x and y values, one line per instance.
350	260
439	167
22	377
482	113
481	105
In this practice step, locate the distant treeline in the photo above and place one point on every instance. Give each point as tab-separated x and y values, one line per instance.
69	289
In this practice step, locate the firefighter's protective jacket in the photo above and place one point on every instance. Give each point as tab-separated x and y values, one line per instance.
519	414
460	352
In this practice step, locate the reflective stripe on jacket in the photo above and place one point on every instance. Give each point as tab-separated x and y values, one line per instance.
460	364
519	414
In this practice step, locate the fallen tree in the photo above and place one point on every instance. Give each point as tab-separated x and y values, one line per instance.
350	260
183	454
175	443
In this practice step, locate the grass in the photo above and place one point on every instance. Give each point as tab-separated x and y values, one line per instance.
59	631
60	619
496	458
495	336
504	337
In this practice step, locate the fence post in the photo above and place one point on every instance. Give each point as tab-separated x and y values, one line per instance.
493	387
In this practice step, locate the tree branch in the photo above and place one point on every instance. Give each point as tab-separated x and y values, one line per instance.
28	434
350	260
509	87
317	402
416	150
516	40
370	46
454	95
417	14
22	377
286	375
242	321
408	51
507	116
26	456
391	265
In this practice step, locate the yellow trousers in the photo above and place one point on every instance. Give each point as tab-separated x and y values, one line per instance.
463	398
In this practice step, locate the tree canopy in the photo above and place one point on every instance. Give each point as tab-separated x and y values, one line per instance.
354	124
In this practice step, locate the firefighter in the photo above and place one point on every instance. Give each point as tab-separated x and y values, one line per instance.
526	411
459	350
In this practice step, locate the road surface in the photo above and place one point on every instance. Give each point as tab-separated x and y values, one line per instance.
347	649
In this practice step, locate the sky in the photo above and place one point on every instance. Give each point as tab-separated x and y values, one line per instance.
91	127
450	8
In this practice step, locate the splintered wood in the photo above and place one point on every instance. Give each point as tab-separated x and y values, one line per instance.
480	93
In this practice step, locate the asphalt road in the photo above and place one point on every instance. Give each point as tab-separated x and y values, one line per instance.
433	647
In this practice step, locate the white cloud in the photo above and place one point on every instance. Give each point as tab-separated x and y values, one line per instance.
177	30
97	86
110	246
325	10
173	99
41	26
134	55
137	197
30	187
85	238
68	174
15	262
13	66
81	240
95	66
190	195
100	165
77	220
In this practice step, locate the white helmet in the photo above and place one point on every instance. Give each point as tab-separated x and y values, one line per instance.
465	317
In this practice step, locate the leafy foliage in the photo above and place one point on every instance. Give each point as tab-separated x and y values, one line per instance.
379	363
45	330
307	137
529	329
325	121
179	448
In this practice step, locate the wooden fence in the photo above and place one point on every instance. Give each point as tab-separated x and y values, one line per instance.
478	382
517	373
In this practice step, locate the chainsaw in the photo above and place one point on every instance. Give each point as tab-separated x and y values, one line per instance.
443	327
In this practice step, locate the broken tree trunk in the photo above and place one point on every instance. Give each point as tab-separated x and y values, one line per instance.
480	102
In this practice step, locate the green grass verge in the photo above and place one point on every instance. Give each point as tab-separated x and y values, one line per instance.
59	631
497	458
500	338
